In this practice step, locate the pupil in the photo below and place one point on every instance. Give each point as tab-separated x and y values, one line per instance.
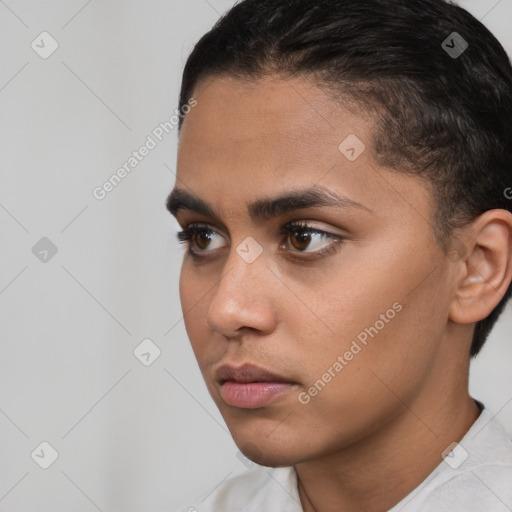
303	238
204	237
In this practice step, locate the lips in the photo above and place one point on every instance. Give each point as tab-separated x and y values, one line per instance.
246	374
251	387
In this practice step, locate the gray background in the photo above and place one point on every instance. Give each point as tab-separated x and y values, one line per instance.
129	437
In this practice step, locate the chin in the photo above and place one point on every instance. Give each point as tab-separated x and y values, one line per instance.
267	458
271	453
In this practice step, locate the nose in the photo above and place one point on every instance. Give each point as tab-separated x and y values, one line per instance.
244	297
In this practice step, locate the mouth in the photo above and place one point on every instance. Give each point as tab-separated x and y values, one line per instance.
251	387
247	374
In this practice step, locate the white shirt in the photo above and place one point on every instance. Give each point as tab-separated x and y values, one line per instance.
476	476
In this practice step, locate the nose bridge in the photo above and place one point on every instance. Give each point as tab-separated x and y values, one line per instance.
245	267
233	304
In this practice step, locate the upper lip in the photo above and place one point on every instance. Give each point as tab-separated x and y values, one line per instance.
247	373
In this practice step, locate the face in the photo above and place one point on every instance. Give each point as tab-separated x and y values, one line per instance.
325	306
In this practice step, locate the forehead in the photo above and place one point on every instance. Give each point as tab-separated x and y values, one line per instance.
278	128
294	111
244	141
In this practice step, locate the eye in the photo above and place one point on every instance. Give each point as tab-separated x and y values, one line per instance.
197	235
302	236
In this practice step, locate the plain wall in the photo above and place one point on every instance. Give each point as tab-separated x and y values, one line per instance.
129	437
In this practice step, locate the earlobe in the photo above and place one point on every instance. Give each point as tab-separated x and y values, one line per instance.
486	269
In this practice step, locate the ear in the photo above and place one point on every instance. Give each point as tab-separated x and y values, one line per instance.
485	267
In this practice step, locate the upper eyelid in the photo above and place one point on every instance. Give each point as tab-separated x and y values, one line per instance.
289	226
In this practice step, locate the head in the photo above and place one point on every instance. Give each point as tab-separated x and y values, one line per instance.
391	159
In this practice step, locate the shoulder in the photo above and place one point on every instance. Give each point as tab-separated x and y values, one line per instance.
475	476
253	490
488	487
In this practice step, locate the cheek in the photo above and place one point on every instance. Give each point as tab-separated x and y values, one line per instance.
193	297
343	304
369	366
384	315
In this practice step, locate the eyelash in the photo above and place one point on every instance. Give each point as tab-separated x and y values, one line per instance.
186	235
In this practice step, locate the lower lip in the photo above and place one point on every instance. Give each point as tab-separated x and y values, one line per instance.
251	395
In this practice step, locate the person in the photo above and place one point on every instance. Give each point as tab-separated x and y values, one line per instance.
343	189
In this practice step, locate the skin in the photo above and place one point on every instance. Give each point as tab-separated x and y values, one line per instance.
378	428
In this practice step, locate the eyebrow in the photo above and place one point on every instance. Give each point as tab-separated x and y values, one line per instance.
264	209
